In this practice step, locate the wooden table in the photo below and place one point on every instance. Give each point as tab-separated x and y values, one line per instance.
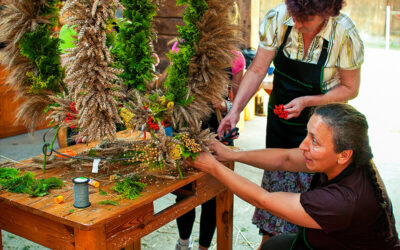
62	226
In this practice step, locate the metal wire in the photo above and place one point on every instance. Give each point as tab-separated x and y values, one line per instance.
45	147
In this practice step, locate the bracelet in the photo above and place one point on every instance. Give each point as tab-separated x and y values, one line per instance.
228	105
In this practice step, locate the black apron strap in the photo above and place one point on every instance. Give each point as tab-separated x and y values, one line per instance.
324	54
289	28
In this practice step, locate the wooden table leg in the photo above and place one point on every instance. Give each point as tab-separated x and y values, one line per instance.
224	220
94	239
1	240
62	137
135	246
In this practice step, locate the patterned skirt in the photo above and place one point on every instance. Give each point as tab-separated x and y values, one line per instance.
274	182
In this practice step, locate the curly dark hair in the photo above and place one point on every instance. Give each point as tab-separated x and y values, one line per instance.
303	9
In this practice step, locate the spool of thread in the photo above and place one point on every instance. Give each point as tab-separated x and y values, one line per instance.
81	192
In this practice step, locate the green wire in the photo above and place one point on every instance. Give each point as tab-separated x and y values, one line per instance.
51	147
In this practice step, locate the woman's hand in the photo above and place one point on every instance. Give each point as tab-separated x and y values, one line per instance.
220	151
228	123
295	107
205	162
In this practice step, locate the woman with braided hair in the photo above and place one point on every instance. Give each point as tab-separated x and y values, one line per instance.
317	53
346	206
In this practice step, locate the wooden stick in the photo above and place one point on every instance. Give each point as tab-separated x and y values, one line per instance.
219	115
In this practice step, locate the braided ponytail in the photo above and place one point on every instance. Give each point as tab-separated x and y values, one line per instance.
382	197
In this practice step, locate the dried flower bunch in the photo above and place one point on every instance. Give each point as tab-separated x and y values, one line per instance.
31	55
90	77
140	111
64	111
161	152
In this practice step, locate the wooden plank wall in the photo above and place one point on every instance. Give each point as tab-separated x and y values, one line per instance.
8	110
168	17
368	15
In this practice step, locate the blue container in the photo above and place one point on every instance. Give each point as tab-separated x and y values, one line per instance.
168	131
271	70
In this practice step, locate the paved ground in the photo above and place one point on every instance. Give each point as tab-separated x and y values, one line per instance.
378	99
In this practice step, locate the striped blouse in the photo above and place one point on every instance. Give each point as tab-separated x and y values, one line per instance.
345	51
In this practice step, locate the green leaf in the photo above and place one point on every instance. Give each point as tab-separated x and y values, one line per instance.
108	202
129	188
102	192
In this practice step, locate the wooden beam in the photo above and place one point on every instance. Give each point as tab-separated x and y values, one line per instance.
94	239
225	220
249	21
135	246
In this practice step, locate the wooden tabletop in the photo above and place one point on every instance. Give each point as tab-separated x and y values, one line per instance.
96	214
62	226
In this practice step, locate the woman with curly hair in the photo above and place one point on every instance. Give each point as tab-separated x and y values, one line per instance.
317	53
346	206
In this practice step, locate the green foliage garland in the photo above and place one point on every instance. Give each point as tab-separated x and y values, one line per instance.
43	50
189	35
132	49
11	181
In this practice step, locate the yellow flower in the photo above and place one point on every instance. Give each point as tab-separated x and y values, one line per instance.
170	105
109	27
127	116
162	99
176	152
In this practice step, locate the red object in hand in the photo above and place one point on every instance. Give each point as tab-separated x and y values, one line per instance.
280	111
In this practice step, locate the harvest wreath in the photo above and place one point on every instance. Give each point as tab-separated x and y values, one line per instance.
108	84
